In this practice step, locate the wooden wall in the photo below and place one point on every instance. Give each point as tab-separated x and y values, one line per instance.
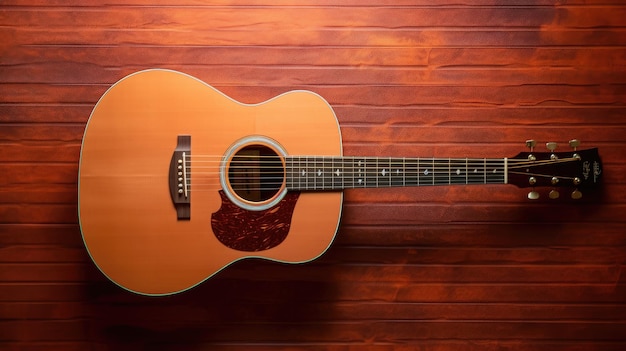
445	268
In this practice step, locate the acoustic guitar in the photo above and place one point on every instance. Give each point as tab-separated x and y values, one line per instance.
177	180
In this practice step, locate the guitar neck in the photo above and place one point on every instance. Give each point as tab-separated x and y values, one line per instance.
309	173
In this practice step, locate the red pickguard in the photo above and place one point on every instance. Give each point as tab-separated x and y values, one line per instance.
251	231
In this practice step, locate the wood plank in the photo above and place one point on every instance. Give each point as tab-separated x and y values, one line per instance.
227	58
364	273
308	3
397	96
40	234
440	268
527	234
327	37
349	311
281	75
20	113
68	138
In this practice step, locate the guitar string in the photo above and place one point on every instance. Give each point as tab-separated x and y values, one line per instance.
427	163
325	182
215	187
436	172
442	163
312	158
330	184
261	181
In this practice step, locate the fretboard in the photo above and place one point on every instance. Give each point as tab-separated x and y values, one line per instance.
333	173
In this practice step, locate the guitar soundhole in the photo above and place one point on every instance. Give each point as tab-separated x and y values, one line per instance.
256	173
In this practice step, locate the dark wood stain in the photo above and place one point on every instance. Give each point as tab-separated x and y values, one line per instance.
441	268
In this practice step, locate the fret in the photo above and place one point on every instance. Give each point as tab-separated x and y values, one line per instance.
458	171
359	175
302	173
425	171
318	179
335	173
289	172
476	171
340	179
305	171
495	172
384	172
371	176
331	181
411	172
354	173
332	178
310	173
319	173
441	171
297	184
313	172
396	172
484	169
348	172
327	170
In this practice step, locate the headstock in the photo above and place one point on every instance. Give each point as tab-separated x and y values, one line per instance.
576	169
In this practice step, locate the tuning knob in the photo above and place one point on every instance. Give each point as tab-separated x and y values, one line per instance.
554	194
531	145
576	194
574	143
533	195
552	146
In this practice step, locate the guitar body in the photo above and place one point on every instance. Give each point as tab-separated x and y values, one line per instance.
177	180
127	216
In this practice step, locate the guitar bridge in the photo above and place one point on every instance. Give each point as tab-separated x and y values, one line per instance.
180	177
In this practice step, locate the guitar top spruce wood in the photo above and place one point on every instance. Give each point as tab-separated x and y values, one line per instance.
177	180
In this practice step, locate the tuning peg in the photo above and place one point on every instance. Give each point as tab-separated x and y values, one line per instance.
530	143
574	143
552	146
576	194
533	195
554	194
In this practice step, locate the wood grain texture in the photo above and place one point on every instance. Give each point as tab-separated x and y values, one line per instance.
446	268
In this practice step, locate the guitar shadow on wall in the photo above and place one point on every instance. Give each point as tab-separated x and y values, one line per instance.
258	301
252	301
